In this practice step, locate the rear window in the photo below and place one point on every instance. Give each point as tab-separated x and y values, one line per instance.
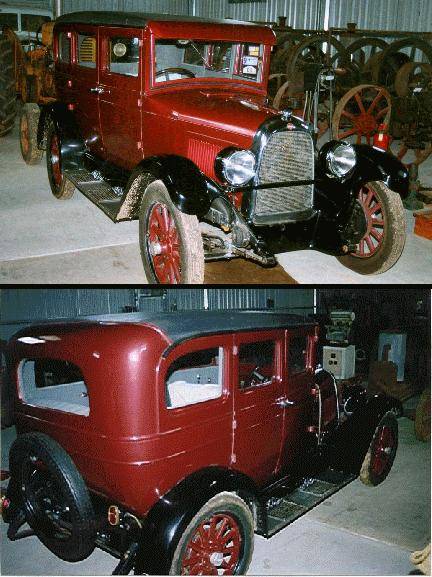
9	19
64	48
53	384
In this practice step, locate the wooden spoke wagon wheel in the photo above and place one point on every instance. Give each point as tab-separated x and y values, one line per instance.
359	113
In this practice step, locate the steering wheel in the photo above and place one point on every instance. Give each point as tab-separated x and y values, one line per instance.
255	378
167	71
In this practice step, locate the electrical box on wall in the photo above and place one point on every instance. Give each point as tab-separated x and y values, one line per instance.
340	361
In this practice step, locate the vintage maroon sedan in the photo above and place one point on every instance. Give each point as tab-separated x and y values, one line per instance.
165	119
169	439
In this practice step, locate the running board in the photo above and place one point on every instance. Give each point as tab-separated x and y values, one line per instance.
279	510
96	190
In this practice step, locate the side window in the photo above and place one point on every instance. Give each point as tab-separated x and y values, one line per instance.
257	364
53	384
87	50
124	56
64	47
195	378
297	354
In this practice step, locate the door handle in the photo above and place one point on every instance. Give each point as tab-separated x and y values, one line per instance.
97	89
285	403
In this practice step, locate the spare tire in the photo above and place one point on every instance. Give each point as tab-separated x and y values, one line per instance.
54	496
8	108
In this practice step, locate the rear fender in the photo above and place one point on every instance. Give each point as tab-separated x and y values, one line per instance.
169	517
350	442
189	189
72	144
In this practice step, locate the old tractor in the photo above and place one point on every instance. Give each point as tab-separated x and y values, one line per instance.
26	76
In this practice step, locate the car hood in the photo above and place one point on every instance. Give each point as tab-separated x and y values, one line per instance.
240	113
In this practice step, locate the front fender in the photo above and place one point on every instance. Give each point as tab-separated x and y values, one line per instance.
189	189
350	442
374	164
169	517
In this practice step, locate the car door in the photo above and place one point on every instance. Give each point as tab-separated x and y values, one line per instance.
298	374
83	85
120	101
258	414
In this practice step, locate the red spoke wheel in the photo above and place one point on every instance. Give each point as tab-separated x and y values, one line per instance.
61	187
163	244
218	540
171	244
29	120
382	451
359	113
385	230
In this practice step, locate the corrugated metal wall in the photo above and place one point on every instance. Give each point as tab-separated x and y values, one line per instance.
23	306
158	6
299	13
411	15
19	307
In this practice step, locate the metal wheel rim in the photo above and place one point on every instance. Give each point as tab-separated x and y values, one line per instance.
163	245
383	450
214	548
372	206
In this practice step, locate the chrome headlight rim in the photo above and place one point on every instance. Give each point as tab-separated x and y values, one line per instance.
236	166
340	159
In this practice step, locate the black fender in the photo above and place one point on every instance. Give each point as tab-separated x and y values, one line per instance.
190	190
350	442
375	164
372	164
169	517
72	144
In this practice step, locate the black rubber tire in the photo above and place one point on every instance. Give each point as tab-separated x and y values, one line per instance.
66	189
367	475
8	107
29	120
29	451
394	236
187	226
222	503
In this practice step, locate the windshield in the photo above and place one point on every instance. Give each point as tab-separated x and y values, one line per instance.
178	60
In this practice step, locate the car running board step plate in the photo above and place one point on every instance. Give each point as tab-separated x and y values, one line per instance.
96	190
279	511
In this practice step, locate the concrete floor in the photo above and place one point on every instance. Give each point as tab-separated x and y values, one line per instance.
358	531
43	240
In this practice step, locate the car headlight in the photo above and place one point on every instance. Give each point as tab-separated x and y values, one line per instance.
341	159
237	167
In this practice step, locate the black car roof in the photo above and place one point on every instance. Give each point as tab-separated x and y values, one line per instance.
183	325
135	19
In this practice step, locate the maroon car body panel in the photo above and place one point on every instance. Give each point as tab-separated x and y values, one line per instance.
131	448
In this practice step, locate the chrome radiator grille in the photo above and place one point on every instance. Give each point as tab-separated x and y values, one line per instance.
287	156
